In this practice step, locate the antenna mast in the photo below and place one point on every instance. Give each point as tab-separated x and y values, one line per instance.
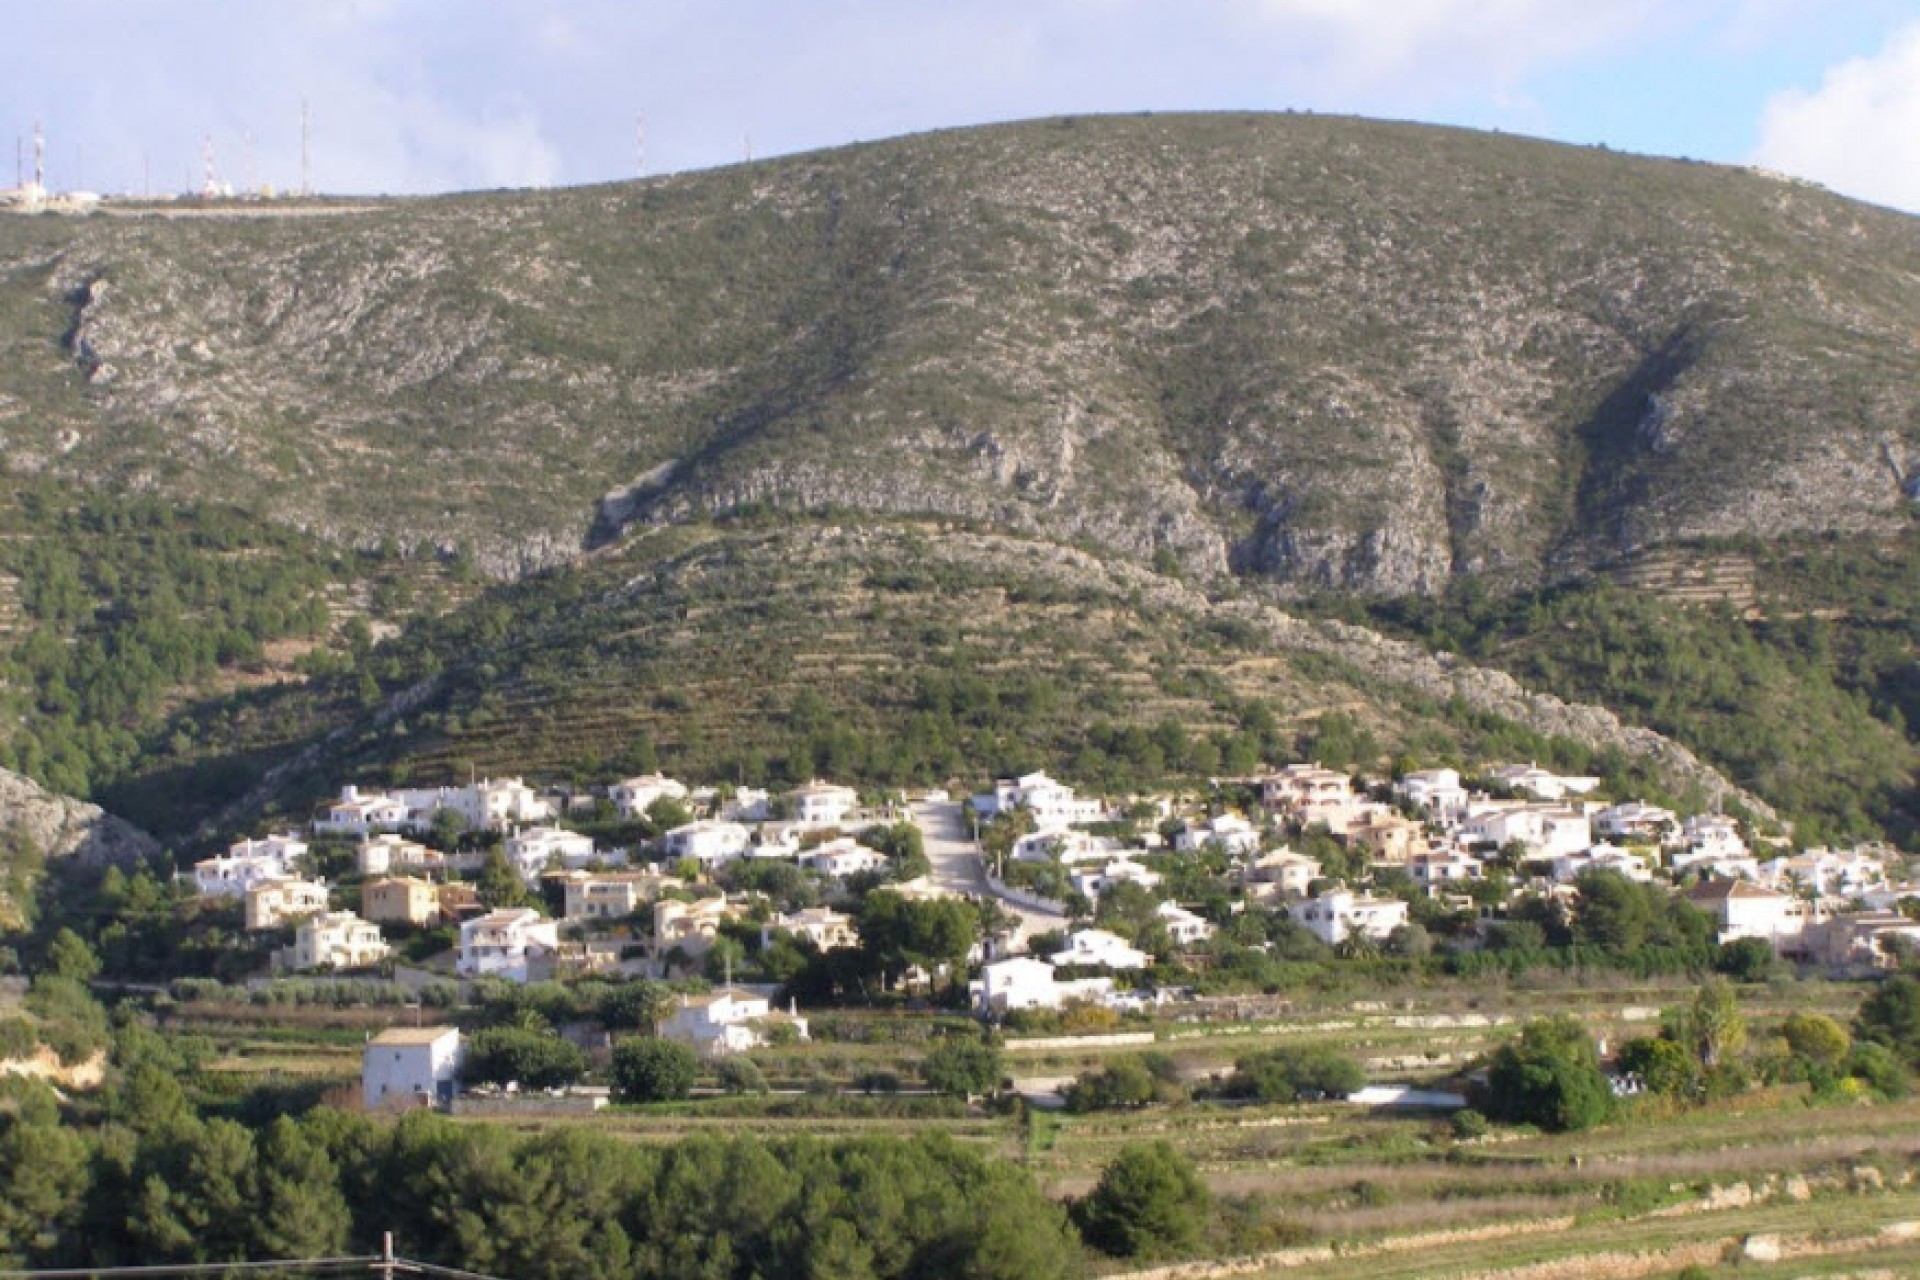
209	187
306	165
39	158
639	146
746	147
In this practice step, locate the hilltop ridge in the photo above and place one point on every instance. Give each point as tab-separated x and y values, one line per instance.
1316	352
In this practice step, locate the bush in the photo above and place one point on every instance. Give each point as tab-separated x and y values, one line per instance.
1468	1123
1816	1038
1549	1076
1295	1075
741	1075
1891	1017
962	1067
1126	1083
1746	960
646	1069
1149	1201
533	1059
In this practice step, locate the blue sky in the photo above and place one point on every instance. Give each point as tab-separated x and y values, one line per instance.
435	95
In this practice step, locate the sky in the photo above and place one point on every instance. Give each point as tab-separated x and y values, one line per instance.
413	96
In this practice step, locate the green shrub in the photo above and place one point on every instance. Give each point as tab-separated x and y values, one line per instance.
647	1069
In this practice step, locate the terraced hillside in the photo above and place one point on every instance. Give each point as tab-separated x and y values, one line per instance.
881	651
1315	351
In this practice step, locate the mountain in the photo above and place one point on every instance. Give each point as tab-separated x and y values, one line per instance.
966	451
1316	352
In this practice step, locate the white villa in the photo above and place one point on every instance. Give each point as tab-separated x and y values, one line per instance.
1711	836
691	927
537	848
730	1020
1184	927
1279	874
1228	832
1334	917
823	804
1568	867
246	864
1634	821
1743	910
610	895
1542	784
1026	983
1442	869
1052	804
273	903
388	854
1438	791
1099	949
1852	874
708	841
335	940
1306	788
634	796
358	813
824	927
1546	831
838	859
1094	879
501	943
410	1067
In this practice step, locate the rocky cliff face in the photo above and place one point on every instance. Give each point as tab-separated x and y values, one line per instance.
1323	353
38	826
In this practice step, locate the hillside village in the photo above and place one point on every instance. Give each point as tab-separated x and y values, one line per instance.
1122	903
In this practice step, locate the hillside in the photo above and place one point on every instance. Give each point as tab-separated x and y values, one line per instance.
1312	351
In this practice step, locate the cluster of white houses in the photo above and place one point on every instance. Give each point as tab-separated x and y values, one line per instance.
1825	905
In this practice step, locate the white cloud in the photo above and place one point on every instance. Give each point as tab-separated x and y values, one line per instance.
1859	132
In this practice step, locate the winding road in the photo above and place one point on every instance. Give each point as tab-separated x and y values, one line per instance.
958	866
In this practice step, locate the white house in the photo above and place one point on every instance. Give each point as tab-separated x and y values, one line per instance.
1744	910
501	943
1094	879
1542	784
1442	869
708	841
1052	804
1064	846
1099	949
410	1066
1306	788
1545	831
838	859
1436	791
610	895
1184	927
273	903
748	804
1279	874
824	927
1711	836
389	854
335	940
1633	820
823	804
537	848
730	1020
1333	917
691	927
1568	867
1852	874
246	864
1023	982
634	796
361	813
1228	832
